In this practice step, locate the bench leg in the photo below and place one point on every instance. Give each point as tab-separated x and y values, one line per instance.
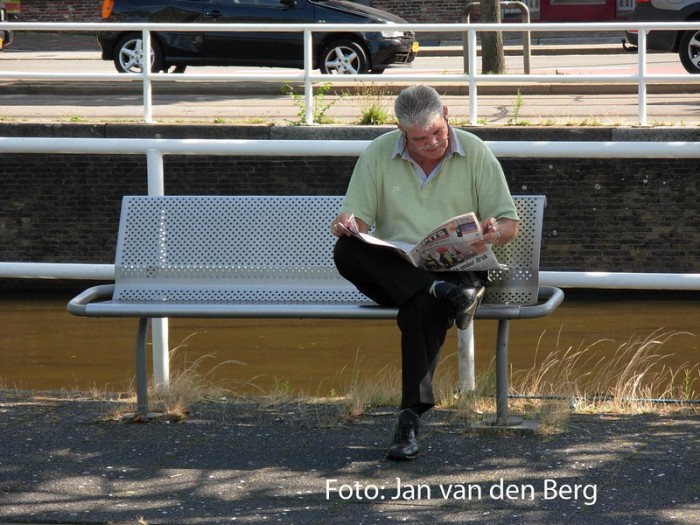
503	420
141	370
502	372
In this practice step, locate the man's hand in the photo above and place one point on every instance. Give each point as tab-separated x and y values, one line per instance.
500	231
345	223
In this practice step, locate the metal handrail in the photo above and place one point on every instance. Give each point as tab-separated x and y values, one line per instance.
155	149
642	78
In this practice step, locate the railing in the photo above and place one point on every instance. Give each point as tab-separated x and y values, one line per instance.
155	149
470	78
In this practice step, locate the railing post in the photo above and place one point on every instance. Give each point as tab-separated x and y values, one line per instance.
465	359
472	78
308	86
159	326
146	72
642	81
466	46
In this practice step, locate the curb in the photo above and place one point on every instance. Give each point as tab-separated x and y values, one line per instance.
257	89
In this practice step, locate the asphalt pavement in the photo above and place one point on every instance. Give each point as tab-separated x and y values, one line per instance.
69	460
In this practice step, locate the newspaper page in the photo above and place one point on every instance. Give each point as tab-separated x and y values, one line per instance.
449	247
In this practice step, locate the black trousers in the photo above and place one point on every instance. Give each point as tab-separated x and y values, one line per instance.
389	280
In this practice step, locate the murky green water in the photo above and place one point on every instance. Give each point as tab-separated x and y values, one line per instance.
43	347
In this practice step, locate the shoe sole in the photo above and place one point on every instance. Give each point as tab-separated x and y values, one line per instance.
401	458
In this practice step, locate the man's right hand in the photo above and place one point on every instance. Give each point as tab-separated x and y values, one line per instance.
345	223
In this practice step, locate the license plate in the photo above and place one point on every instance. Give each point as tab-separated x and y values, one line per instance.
1	42
415	47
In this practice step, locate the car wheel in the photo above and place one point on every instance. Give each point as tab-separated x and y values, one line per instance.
128	55
689	51
343	57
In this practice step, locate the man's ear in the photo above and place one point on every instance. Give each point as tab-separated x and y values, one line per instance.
445	112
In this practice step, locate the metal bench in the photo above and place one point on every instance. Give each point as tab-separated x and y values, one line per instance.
271	257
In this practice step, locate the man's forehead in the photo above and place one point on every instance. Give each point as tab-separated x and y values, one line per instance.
437	122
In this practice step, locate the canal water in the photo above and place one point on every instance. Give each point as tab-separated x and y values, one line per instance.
44	347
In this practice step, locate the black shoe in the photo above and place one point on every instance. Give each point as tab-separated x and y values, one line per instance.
465	301
405	445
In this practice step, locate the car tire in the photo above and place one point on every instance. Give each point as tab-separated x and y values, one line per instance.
343	57
689	51
128	54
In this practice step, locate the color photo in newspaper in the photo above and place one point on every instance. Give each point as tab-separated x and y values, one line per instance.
449	247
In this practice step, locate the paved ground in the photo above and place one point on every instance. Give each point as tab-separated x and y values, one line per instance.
67	461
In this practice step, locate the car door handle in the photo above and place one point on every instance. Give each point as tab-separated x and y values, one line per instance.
213	14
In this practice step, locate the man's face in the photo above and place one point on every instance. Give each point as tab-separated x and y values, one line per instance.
428	143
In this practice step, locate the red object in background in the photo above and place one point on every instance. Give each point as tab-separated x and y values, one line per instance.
577	10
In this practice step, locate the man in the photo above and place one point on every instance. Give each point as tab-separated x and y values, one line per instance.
404	184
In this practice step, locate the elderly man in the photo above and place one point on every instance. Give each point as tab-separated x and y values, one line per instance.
404	184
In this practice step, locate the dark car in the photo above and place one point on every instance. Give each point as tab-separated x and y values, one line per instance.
685	43
333	52
5	34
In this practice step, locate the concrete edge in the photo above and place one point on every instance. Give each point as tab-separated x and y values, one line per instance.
257	89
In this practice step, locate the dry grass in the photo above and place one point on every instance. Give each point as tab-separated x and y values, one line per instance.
354	396
631	377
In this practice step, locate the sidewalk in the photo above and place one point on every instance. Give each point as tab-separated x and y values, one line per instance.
64	461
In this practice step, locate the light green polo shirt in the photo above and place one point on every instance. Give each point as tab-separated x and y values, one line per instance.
385	192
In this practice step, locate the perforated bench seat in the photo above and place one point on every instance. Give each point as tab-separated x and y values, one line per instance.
265	257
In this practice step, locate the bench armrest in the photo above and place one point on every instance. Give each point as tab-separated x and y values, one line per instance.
552	298
78	305
549	298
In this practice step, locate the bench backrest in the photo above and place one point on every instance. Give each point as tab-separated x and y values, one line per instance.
268	249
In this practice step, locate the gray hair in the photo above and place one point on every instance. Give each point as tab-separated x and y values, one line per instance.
418	106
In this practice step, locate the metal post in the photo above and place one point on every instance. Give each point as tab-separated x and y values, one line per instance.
526	34
465	359
159	326
141	369
466	45
466	19
502	372
642	83
155	172
308	86
146	72
472	78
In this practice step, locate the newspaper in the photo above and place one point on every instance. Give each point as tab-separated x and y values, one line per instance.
449	247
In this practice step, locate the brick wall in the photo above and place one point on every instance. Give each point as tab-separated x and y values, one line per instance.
635	215
420	11
63	11
447	11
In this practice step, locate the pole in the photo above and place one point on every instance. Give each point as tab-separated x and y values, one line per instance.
159	326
